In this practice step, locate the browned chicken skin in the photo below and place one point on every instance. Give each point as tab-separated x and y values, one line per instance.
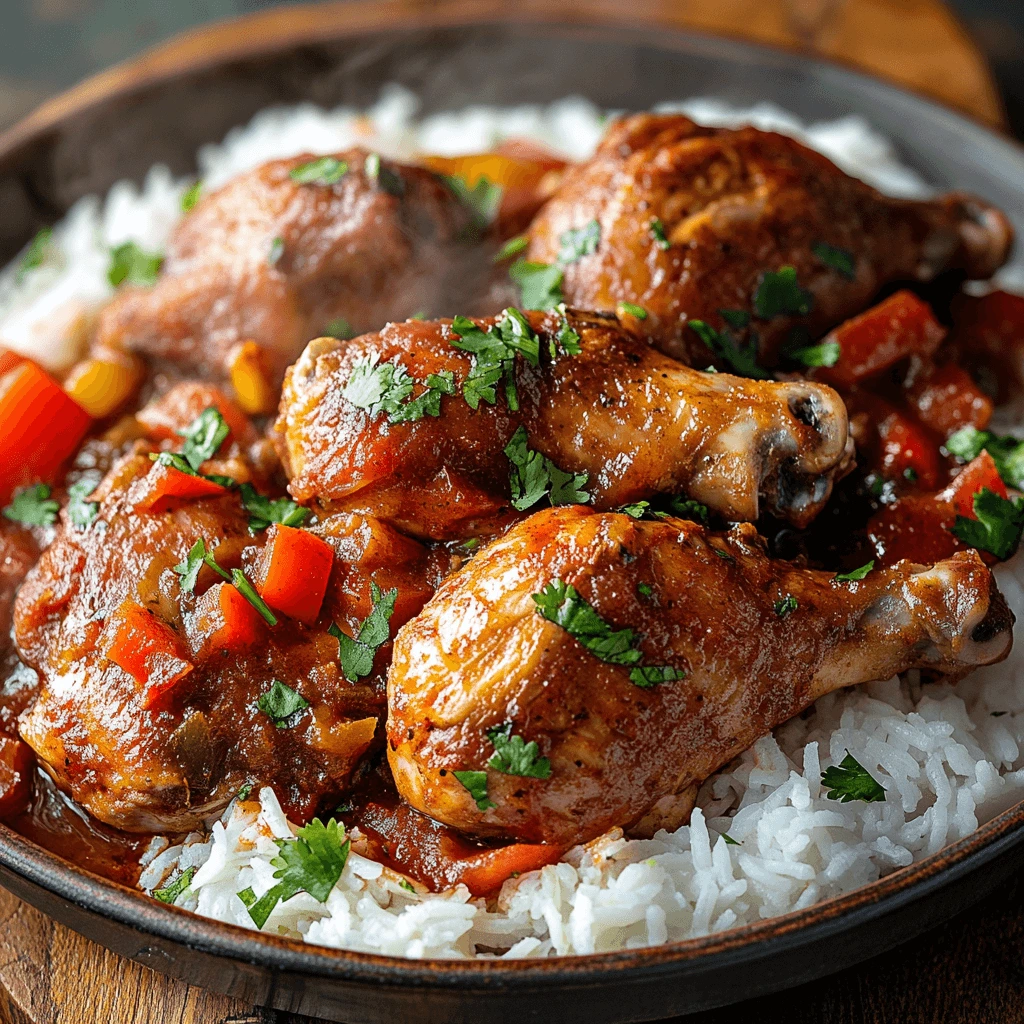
480	655
637	423
276	261
735	203
169	766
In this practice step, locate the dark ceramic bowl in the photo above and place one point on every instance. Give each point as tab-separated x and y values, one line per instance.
161	109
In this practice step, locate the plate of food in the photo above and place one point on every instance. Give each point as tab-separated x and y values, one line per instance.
507	519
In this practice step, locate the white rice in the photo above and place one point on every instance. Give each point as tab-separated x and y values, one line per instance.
949	757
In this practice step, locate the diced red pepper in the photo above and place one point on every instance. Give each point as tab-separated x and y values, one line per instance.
486	872
899	442
40	427
988	337
978	474
292	572
900	326
225	619
144	646
16	765
946	398
164	487
9	360
174	411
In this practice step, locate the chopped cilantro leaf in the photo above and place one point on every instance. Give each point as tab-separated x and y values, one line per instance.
248	591
339	328
1006	450
658	233
494	352
579	242
203	437
824	354
248	897
280	703
244	792
645	590
263	510
174	461
540	284
482	199
191	195
646	676
567	339
534	475
851	781
387	388
198	555
998	527
170	893
512	247
856	574
638	509
729	841
327	170
33	506
132	265
476	785
778	294
82	512
838	259
356	655
407	885
785	606
513	756
188	568
276	250
687	508
742	358
311	862
632	309
390	181
35	254
739	319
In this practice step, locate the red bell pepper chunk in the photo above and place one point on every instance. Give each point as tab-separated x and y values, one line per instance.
900	326
40	427
946	399
485	872
293	571
16	767
225	619
145	647
978	474
166	486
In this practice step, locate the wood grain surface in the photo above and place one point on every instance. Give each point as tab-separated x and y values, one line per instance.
968	972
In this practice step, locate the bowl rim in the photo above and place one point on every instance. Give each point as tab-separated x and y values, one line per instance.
274	32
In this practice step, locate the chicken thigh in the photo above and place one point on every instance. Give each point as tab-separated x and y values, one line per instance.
640	657
275	260
688	221
613	421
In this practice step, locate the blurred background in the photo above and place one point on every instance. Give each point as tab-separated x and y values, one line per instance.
47	45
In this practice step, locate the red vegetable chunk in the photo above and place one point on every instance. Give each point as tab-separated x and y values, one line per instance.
293	571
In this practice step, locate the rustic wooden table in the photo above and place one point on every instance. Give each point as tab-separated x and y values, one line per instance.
969	972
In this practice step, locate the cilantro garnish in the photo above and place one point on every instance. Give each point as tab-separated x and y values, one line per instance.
82	512
742	358
534	475
327	170
244	792
1006	450
638	509
579	242
280	703
729	841
560	602
35	254
482	200
248	591
854	575
276	250
390	181
512	247
838	259
785	606
407	885
681	508
494	352
33	506
387	387
311	862
174	461
191	195
198	555
998	527
567	339
129	263
263	510
778	294
851	781
658	233
203	437
633	310
170	893
356	656
645	590
540	284
188	568
824	354
476	784
515	757
339	328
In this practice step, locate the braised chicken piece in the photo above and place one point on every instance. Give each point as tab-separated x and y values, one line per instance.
614	420
693	220
640	657
276	260
162	694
